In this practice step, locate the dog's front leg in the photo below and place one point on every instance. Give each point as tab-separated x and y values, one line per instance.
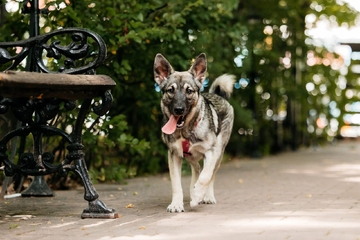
205	180
175	162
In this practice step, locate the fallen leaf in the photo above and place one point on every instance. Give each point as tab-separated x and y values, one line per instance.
130	205
142	228
135	193
12	226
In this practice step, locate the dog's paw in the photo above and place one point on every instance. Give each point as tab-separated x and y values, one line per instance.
194	203
196	197
172	208
208	200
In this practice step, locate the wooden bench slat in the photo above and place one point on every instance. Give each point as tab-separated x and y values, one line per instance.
47	85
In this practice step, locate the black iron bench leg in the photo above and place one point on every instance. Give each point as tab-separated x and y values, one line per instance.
96	209
38	188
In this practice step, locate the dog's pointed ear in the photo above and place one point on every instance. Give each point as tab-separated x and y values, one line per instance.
198	69
162	68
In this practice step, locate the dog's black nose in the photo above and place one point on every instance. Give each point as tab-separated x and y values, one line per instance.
179	111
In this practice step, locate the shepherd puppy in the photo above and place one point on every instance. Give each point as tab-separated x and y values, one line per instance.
195	126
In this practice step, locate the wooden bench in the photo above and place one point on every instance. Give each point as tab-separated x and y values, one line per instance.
61	78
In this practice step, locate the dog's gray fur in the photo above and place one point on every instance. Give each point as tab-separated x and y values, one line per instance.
206	122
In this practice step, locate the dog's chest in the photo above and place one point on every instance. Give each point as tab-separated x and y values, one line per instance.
194	140
195	150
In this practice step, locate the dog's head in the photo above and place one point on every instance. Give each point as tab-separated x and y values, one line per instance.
181	90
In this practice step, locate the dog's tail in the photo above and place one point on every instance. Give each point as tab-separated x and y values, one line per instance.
223	86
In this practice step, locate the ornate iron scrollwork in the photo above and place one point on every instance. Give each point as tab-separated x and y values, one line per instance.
84	44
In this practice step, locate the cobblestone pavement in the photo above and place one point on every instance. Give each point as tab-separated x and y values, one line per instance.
307	194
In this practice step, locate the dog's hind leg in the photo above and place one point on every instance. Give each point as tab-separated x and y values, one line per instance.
209	197
195	172
177	203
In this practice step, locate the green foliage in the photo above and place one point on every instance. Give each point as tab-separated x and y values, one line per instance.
128	142
112	149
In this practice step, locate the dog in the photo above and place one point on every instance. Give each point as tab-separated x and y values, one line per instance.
195	126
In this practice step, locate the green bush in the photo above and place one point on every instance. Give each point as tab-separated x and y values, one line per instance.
128	142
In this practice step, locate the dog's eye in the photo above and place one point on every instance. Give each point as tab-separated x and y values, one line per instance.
189	91
171	90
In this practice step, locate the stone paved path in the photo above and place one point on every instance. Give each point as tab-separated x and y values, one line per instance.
308	194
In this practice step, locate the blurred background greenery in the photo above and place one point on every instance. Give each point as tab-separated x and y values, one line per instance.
291	91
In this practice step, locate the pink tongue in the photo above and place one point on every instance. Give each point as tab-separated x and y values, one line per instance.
170	126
